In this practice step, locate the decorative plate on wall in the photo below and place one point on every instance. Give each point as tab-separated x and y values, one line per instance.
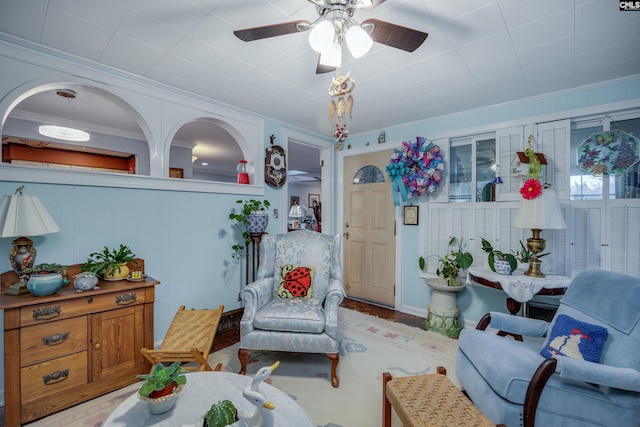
608	153
275	167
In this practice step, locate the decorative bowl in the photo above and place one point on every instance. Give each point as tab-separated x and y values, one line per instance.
44	284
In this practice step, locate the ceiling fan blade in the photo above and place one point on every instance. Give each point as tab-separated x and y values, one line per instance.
322	69
266	31
395	35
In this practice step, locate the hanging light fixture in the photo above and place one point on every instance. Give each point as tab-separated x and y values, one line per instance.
358	40
332	57
322	35
63	132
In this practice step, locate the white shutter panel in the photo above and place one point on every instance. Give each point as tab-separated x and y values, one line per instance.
554	141
556	245
624	240
509	237
586	242
484	224
508	141
436	235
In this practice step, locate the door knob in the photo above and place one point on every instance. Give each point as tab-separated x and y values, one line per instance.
346	235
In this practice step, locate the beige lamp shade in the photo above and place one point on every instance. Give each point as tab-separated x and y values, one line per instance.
25	215
542	213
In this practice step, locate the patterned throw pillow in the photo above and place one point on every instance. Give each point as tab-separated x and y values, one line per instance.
295	281
572	338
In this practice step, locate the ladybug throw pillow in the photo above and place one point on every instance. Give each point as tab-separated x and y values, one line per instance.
295	281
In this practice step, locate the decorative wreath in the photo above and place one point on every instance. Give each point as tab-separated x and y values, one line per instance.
415	169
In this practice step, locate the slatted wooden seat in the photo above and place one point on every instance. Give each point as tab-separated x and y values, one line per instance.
429	400
188	340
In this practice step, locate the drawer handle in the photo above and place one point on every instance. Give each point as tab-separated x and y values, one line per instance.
126	299
47	313
55	339
56	377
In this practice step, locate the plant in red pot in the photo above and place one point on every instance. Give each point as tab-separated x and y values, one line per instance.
161	387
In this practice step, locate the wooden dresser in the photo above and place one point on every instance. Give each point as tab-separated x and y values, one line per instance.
70	347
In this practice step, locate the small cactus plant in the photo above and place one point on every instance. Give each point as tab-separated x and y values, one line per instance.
221	414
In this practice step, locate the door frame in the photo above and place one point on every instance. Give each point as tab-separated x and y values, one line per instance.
398	217
326	156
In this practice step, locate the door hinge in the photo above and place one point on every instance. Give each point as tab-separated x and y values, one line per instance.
321	163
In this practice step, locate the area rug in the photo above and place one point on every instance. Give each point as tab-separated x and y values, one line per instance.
370	346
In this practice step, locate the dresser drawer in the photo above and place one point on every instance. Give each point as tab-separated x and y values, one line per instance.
53	339
42	313
53	376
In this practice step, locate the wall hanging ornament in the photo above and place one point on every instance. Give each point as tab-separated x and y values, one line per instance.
415	170
608	153
532	187
340	89
275	166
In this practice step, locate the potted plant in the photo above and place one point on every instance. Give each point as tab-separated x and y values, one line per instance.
253	217
451	265
111	264
221	414
45	279
524	255
499	262
161	386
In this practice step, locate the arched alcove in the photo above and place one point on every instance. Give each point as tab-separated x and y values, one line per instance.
117	143
206	149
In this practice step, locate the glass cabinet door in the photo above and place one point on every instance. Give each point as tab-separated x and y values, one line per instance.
472	169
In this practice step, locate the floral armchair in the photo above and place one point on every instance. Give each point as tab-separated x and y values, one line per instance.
293	304
586	373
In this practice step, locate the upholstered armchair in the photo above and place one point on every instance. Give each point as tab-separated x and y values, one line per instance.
586	372
293	304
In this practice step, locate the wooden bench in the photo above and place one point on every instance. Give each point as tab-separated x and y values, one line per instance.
429	400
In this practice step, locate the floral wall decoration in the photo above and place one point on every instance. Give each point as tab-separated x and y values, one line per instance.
608	153
416	169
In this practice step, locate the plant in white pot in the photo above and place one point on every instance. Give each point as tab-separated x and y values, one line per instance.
252	218
161	387
499	262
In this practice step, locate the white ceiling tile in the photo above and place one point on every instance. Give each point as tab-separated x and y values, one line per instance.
128	54
149	31
598	38
23	18
544	31
540	54
198	53
554	84
495	67
105	13
478	24
171	64
482	50
562	66
181	15
599	13
518	12
609	55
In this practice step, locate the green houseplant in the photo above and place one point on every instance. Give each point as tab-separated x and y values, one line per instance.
252	217
452	263
46	279
162	379
221	414
504	262
524	255
110	263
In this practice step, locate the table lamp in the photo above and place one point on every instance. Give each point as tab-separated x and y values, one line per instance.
539	214
23	215
297	212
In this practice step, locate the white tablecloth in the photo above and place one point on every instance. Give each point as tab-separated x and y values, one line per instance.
518	286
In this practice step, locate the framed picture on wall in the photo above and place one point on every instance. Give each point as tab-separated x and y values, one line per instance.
314	198
295	200
176	173
411	215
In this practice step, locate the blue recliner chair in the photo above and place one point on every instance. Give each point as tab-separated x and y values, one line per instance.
293	304
518	383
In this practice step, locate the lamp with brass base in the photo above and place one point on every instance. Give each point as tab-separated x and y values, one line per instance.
539	214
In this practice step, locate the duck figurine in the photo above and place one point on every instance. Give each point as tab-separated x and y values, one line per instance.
262	415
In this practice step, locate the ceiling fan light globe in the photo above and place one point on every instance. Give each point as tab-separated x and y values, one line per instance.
322	36
358	41
332	57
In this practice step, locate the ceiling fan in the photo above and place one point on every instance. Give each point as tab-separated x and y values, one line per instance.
336	25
